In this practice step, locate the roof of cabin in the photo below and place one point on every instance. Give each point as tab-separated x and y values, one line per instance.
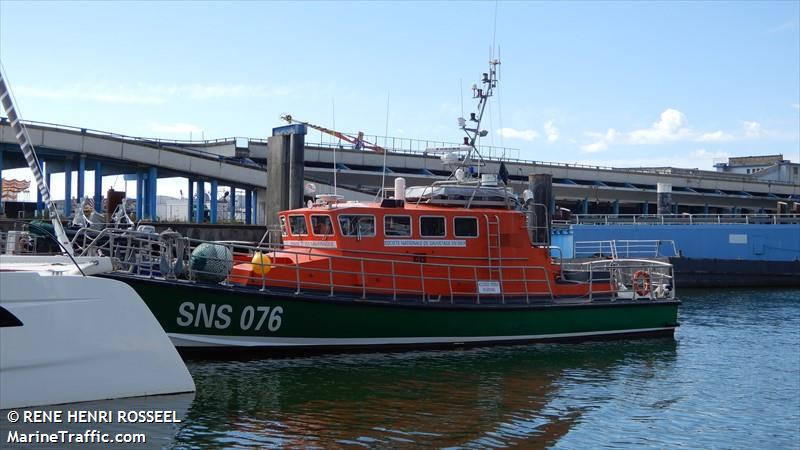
363	207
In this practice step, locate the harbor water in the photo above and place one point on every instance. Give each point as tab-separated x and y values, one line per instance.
729	379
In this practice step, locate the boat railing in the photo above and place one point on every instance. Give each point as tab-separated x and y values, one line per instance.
684	219
556	253
620	248
310	270
538	230
631	278
17	242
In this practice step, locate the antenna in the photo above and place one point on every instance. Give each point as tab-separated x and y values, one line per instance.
494	30
385	137
24	141
335	168
500	107
461	94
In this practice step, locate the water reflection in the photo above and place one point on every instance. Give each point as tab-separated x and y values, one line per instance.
481	397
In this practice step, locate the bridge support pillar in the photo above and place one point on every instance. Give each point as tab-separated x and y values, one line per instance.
585	206
68	188
139	194
201	201
615	207
645	208
232	204
705	209
81	177
213	211
254	219
98	187
248	206
152	192
39	200
190	216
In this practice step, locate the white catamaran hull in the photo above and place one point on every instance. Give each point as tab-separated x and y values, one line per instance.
70	339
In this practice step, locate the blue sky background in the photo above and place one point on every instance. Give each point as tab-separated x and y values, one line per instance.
611	83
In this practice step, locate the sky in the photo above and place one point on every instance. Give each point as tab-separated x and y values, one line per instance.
603	83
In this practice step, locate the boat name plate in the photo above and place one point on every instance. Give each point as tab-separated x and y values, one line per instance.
489	287
424	243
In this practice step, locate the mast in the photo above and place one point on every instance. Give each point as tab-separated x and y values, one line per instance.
473	132
24	141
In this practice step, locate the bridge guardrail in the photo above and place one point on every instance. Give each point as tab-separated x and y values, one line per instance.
684	219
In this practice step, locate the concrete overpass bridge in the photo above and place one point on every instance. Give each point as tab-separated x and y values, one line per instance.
241	164
65	149
579	187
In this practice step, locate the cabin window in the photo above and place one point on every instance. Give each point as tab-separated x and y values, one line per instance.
397	226
431	227
283	227
465	227
322	225
353	225
298	225
7	319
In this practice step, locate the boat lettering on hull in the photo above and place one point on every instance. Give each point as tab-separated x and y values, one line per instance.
213	316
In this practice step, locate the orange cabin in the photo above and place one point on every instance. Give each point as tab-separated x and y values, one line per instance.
397	249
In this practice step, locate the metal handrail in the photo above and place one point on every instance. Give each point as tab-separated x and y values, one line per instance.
684	219
144	261
621	248
140	253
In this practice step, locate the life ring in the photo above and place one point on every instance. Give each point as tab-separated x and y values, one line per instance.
641	283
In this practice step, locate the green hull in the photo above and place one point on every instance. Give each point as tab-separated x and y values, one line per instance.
205	316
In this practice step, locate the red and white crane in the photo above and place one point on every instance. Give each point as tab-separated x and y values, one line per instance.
358	141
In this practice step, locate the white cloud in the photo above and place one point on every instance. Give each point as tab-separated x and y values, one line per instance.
703	154
175	128
716	136
551	131
594	147
788	25
525	135
602	141
142	93
752	129
672	126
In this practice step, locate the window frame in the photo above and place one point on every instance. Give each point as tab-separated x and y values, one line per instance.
284	226
410	226
333	231
341	230
444	222
477	227
291	229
